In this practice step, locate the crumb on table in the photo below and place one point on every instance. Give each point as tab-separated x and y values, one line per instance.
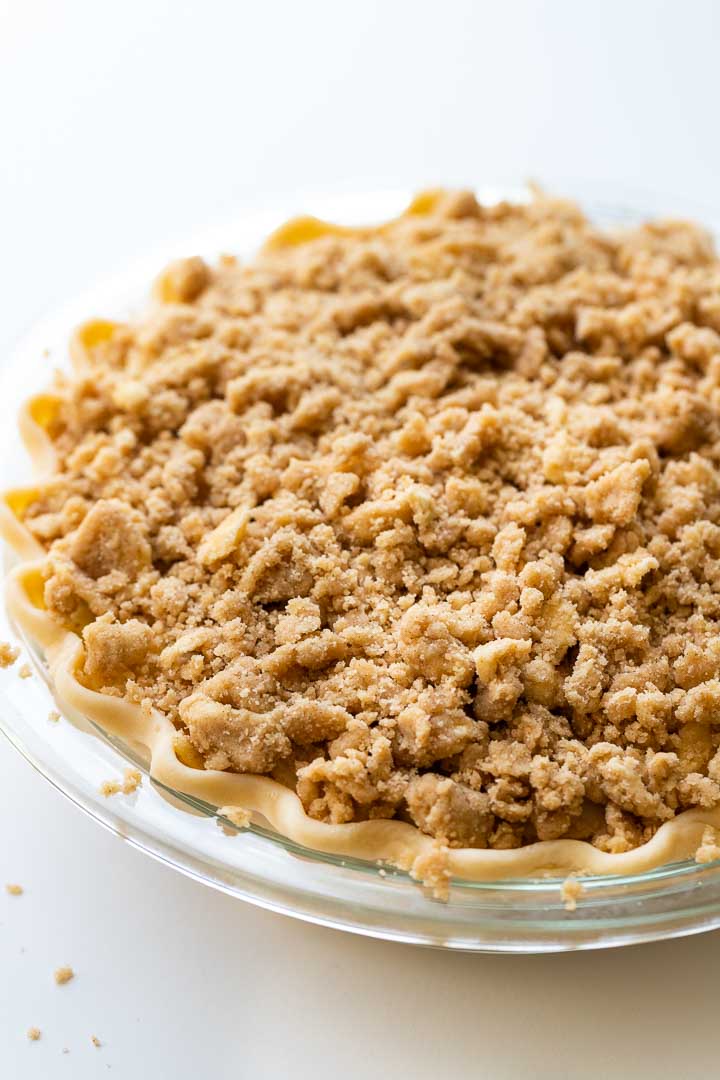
95	1041
14	890
64	975
54	716
25	671
34	1033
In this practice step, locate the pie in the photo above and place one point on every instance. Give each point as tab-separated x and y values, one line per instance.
404	537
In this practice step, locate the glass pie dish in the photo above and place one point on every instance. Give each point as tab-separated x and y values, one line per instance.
259	864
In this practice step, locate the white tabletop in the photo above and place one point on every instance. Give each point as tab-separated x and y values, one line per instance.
122	127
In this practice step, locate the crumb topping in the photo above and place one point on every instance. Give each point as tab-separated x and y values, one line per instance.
422	521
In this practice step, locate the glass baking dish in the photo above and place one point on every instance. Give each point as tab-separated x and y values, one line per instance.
256	864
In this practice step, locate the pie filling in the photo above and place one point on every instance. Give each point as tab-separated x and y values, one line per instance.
420	521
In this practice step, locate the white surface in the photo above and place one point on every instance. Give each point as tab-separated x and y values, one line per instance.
123	125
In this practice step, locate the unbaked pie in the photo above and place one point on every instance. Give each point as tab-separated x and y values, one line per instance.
405	537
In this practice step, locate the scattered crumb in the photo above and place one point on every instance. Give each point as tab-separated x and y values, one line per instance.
709	850
237	815
570	891
25	671
8	654
382	873
95	1041
54	715
14	890
33	1034
64	975
129	784
132	781
433	870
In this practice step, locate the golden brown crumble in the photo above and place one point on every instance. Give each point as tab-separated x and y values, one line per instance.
64	975
8	654
34	1033
53	716
25	671
423	522
95	1041
14	890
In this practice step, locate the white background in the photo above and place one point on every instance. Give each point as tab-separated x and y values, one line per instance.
123	126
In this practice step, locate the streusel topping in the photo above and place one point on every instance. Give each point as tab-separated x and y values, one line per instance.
423	521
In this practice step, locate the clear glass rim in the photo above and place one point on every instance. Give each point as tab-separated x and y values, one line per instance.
517	915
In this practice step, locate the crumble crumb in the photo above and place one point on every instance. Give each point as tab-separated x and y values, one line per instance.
709	849
95	1041
421	521
25	671
14	890
8	654
34	1033
64	975
130	783
54	716
571	891
237	815
432	869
